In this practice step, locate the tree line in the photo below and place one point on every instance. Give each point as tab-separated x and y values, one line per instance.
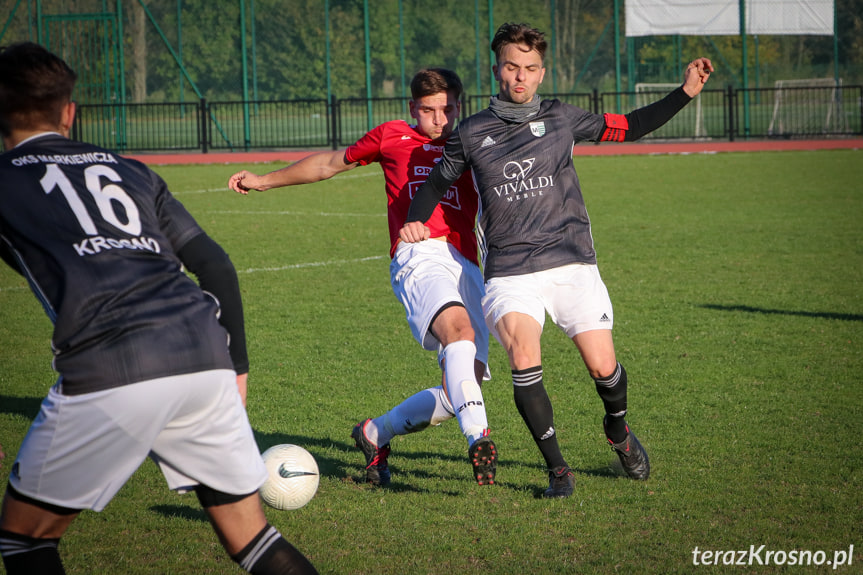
289	56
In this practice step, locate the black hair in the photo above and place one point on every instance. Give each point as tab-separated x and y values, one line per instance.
35	84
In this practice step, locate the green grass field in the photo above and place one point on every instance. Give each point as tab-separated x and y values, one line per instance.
737	281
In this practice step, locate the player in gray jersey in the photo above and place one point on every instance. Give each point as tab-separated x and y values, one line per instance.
149	361
538	247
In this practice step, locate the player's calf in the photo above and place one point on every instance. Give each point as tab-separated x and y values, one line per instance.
25	555
271	554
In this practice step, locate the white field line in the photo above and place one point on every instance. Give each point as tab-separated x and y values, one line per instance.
304	265
289	213
258	270
274	269
309	265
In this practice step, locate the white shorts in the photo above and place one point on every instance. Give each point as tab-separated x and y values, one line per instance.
81	449
427	275
574	296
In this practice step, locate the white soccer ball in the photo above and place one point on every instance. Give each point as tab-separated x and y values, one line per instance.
293	477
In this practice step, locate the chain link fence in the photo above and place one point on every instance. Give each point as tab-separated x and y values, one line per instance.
241	74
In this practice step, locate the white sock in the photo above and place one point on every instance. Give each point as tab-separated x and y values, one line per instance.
464	392
427	407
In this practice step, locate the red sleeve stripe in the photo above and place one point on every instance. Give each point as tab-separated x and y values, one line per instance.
615	128
612	135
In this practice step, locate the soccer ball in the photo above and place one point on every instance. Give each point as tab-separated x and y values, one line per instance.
293	477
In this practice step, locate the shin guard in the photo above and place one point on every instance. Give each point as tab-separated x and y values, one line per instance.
612	391
535	408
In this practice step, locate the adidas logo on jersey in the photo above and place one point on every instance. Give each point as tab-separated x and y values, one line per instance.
604	318
488	142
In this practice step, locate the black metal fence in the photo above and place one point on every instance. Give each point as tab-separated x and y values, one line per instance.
730	114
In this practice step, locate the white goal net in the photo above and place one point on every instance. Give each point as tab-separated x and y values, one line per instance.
688	123
807	106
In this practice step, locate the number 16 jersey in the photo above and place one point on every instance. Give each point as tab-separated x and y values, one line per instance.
96	235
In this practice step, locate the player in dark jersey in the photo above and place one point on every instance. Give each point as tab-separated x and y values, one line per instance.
538	246
439	284
149	363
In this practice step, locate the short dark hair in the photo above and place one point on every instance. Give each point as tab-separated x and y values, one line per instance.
510	33
34	86
430	81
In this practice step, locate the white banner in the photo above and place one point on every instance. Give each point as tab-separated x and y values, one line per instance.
722	17
813	17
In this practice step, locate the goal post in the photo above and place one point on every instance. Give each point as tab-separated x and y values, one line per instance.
687	123
808	106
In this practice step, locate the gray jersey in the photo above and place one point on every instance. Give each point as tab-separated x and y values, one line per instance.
533	215
96	236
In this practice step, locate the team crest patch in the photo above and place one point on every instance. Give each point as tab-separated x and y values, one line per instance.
537	129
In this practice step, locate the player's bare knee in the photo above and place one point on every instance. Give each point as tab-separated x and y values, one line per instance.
452	323
600	366
464	333
457	333
606	369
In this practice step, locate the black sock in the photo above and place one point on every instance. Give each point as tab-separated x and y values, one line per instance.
612	391
535	408
270	554
24	555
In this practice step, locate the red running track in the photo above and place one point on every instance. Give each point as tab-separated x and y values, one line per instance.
606	149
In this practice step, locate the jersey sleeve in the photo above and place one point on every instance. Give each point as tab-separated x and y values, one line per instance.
454	160
640	122
584	125
367	149
216	275
175	221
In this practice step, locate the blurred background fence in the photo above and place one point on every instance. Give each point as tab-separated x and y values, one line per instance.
158	75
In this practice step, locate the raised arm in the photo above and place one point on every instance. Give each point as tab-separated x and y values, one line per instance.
640	122
314	168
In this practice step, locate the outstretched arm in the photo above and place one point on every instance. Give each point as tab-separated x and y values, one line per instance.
314	168
640	122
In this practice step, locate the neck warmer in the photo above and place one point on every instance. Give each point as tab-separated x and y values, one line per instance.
511	112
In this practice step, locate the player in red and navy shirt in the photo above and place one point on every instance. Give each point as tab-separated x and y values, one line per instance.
538	246
439	283
407	156
150	362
